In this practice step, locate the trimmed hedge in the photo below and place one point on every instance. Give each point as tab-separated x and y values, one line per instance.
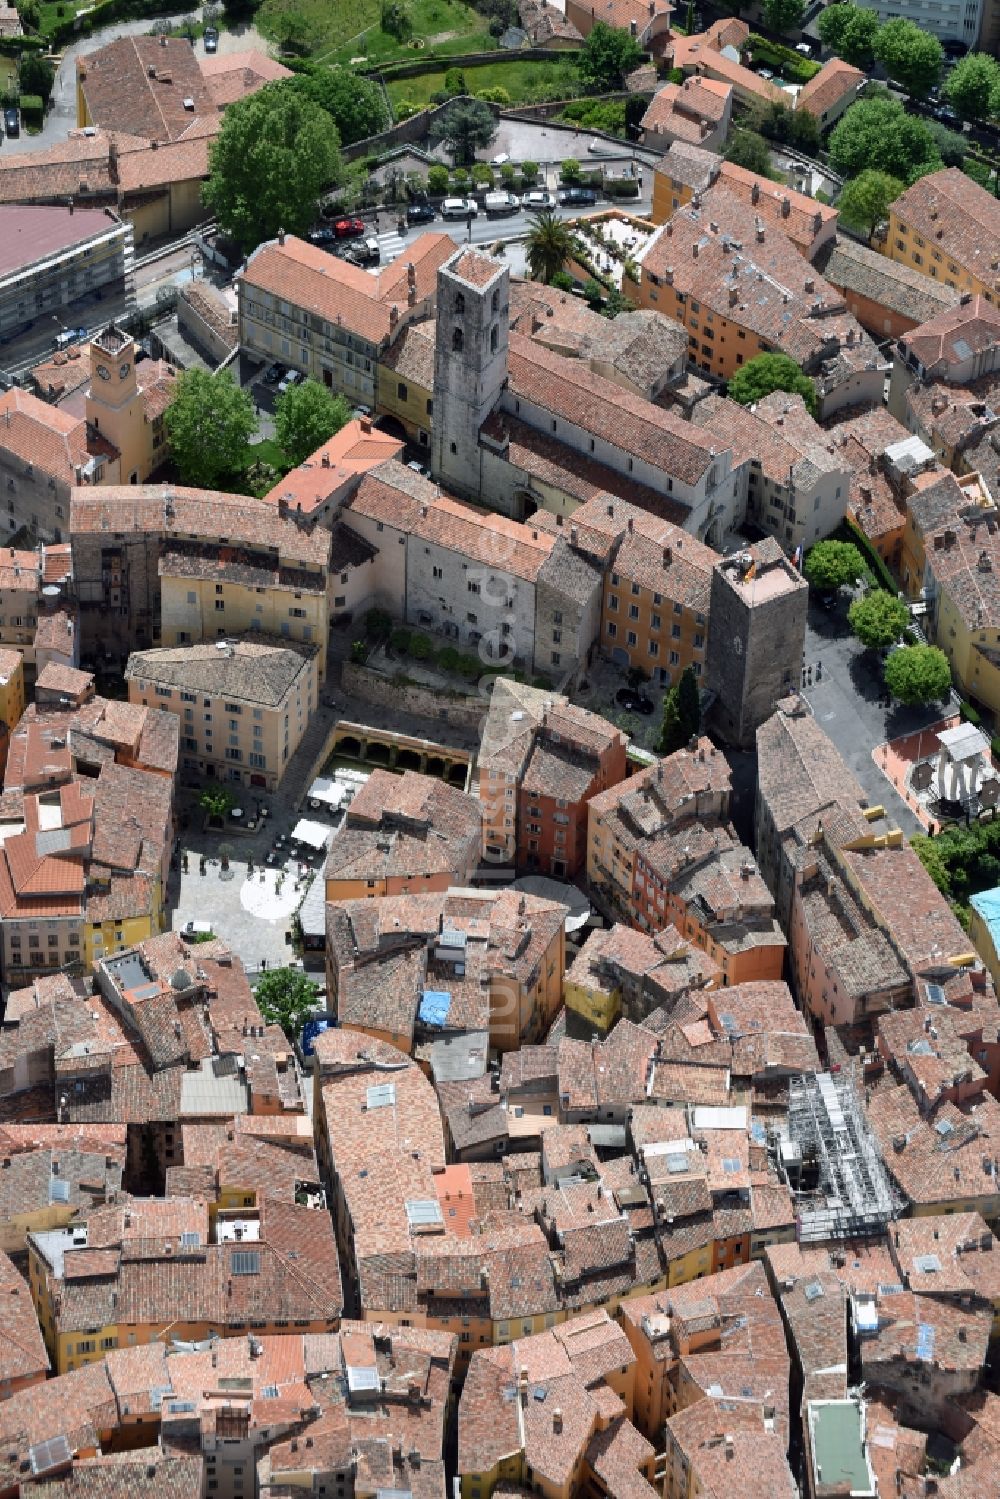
792	65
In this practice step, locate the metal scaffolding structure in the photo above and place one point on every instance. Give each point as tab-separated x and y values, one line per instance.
832	1163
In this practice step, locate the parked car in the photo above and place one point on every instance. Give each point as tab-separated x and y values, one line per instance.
538	200
211	39
420	213
349	228
419	468
501	203
501	159
70	336
634	702
365	253
765	73
459	208
12	121
577	196
273	374
323	236
293	377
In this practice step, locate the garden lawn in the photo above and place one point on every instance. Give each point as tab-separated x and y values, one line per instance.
444	26
522	78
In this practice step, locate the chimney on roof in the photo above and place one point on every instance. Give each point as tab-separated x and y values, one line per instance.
611	508
758	225
633	27
393	315
694	249
810	283
366	424
71	205
574	535
281	236
668	275
112	162
557	1421
755	193
668	556
163	41
734	296
631	524
325	460
786	206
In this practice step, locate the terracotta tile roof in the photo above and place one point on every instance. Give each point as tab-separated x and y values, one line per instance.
130	1475
948	1255
176	161
778	435
835	80
560	466
766	285
411	356
702	53
139	85
690	165
260	669
797	215
203	514
606	410
46	437
853	267
974	325
731	1449
22	1354
340	293
940	1162
235	75
957	216
681	109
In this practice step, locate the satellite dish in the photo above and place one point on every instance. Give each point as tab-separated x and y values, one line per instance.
181	980
922	775
989	792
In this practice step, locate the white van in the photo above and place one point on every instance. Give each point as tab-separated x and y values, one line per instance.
498	203
459	208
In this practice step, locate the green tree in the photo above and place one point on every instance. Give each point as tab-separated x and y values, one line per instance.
745	148
29	14
36	75
547	245
355	104
878	134
607	57
911	56
950	145
306	416
396	19
864	201
217	801
681	713
454	81
850	32
286	997
971	85
571	170
767	372
437	180
465	127
209	423
274	155
879	619
783	16
831	564
918	674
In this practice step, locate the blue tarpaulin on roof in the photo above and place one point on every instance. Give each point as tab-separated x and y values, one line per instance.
434	1006
310	1031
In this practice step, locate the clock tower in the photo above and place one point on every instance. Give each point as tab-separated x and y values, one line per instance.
115	405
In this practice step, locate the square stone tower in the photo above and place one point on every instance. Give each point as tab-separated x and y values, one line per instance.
756	635
470	363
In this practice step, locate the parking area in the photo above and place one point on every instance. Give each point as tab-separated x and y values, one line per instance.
843	685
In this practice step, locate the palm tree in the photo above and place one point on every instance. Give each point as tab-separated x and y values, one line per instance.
548	245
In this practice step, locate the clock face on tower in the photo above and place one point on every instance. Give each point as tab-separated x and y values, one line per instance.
123	370
103	372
